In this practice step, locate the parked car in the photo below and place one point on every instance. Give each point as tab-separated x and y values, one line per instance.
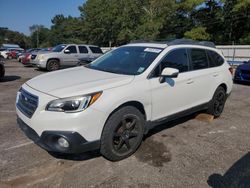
4	53
13	53
10	52
65	55
2	69
26	57
113	101
23	54
242	73
1	57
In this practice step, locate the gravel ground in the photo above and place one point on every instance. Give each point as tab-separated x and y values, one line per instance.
184	153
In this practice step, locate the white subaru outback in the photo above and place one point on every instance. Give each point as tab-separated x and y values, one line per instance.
111	103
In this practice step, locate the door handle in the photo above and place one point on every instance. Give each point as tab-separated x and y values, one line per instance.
190	81
215	74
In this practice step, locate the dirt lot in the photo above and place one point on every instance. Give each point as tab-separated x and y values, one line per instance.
184	153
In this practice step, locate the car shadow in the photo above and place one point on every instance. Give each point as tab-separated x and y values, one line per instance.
236	176
168	125
9	78
40	70
77	157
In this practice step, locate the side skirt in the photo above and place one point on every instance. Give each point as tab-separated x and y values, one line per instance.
152	124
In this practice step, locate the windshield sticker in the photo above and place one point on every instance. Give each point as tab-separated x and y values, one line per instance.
141	69
154	50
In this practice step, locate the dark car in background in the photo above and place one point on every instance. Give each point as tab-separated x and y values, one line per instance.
2	69
242	73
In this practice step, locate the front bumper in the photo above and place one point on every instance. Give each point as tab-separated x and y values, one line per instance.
49	140
38	63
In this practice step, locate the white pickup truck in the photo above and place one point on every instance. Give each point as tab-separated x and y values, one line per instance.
65	55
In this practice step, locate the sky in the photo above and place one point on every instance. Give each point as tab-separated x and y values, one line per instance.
19	15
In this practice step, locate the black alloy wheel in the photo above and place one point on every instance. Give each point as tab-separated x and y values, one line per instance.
217	104
122	133
126	136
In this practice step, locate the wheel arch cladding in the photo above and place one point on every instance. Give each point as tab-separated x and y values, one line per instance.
139	106
224	86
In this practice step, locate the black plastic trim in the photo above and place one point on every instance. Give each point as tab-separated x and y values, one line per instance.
48	140
152	124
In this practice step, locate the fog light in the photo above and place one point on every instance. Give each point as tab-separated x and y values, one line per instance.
63	142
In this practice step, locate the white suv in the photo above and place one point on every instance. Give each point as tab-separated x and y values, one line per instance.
112	102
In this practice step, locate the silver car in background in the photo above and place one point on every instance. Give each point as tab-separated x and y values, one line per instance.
65	55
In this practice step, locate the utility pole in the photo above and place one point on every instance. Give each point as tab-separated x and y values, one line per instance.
37	36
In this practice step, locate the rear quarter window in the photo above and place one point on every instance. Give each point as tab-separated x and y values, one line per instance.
215	59
95	50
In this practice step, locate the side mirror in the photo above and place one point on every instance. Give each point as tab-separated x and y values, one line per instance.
66	51
168	73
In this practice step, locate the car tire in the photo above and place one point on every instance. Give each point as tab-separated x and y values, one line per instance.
217	103
2	72
122	133
53	65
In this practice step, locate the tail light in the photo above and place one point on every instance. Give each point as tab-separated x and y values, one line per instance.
231	70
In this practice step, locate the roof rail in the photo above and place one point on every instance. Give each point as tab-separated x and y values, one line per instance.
178	41
147	41
189	41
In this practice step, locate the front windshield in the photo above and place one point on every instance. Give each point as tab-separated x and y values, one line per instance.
58	48
131	60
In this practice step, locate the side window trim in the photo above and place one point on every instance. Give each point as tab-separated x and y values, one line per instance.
160	61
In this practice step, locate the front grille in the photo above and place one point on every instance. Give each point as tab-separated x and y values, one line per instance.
27	103
33	56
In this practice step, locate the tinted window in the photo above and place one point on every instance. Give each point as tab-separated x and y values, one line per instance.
176	59
58	48
95	50
214	59
72	49
199	59
83	49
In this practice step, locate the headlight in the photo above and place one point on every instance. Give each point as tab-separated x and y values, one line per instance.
73	104
41	57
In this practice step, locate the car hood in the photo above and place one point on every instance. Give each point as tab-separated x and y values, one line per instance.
245	66
43	52
77	81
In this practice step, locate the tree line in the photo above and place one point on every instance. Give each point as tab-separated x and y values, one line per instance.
116	22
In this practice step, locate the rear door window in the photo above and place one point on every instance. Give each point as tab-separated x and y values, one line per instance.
198	58
215	59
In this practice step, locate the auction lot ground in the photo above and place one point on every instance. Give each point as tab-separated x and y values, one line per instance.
184	153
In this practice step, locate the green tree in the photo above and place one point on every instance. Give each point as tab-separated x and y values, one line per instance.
39	36
66	30
198	33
